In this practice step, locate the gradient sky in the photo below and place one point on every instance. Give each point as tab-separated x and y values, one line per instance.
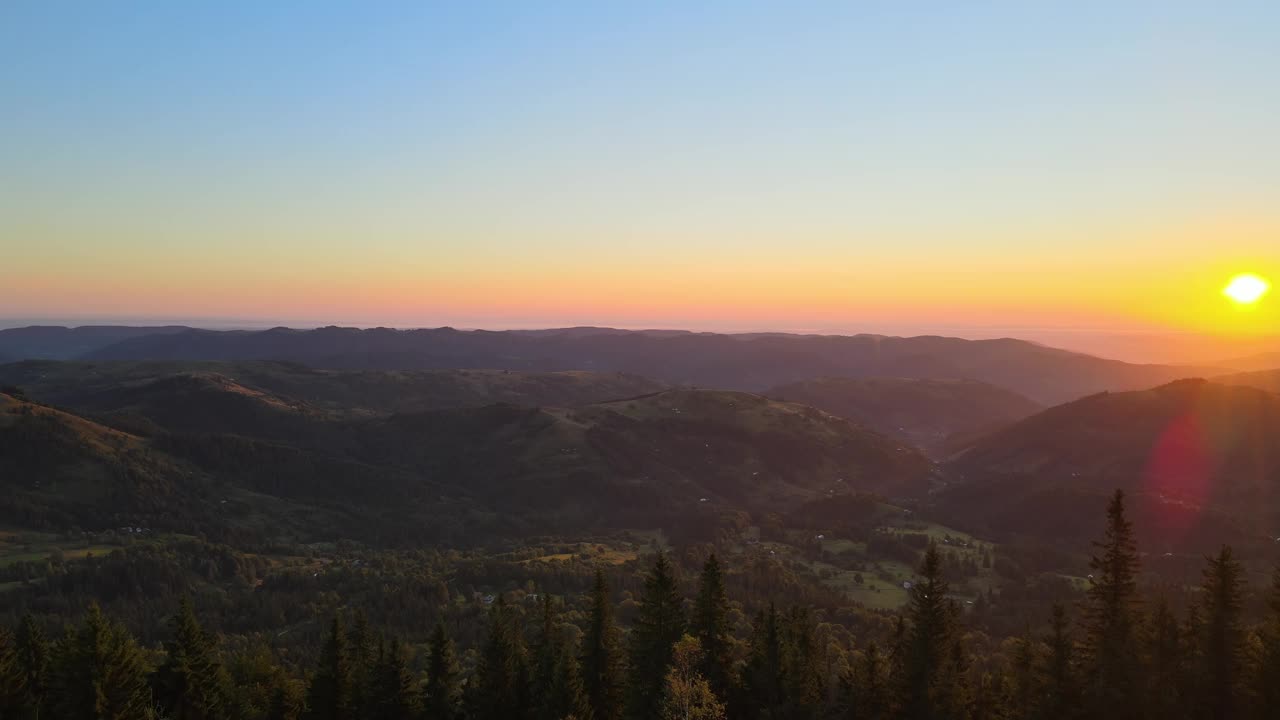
734	165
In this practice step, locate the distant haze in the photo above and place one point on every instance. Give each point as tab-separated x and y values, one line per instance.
1130	346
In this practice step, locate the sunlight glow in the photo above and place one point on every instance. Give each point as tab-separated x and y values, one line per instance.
1246	289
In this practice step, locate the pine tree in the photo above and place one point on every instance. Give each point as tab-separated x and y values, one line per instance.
928	687
1165	657
99	673
501	688
802	679
32	655
394	695
688	695
440	698
1221	642
658	626
330	694
870	686
13	688
602	661
711	626
1266	675
191	684
1060	687
361	654
557	682
763	681
1112	684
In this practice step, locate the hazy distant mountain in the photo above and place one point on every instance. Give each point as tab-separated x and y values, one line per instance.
925	412
738	362
61	343
1268	380
1201	458
1252	363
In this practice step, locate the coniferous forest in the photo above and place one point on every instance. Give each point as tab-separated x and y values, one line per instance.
1121	650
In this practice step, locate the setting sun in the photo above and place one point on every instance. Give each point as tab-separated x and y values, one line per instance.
1246	289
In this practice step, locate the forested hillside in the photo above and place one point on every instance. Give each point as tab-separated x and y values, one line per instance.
610	644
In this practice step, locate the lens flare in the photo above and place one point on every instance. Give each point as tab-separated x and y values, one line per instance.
1246	289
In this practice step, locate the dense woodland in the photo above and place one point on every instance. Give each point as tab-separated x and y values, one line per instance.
1122	651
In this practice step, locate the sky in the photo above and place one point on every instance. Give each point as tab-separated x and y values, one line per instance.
1073	169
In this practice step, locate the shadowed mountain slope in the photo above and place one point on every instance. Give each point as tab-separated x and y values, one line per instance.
928	413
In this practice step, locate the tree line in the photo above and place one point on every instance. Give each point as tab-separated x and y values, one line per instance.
1122	654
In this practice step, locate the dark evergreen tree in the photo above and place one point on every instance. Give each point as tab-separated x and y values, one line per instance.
1112	683
763	679
441	695
394	693
362	654
1220	669
13	688
32	656
191	684
712	627
803	689
602	661
1059	682
659	624
99	673
501	684
1266	674
928	687
557	683
330	694
1166	654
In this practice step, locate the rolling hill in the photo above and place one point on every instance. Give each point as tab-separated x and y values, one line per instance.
928	413
1200	458
753	362
141	386
277	464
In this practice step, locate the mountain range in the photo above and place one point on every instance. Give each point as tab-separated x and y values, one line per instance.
748	362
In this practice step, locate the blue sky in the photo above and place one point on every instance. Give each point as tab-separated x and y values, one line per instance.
336	149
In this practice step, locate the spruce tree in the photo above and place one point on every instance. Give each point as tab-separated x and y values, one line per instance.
1059	684
361	654
1266	674
394	695
440	698
869	682
802	678
32	654
501	687
763	680
1220	670
99	673
12	682
330	694
191	684
928	687
602	661
1112	686
711	626
658	626
557	682
1166	655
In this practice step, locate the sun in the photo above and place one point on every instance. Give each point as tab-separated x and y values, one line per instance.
1247	288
